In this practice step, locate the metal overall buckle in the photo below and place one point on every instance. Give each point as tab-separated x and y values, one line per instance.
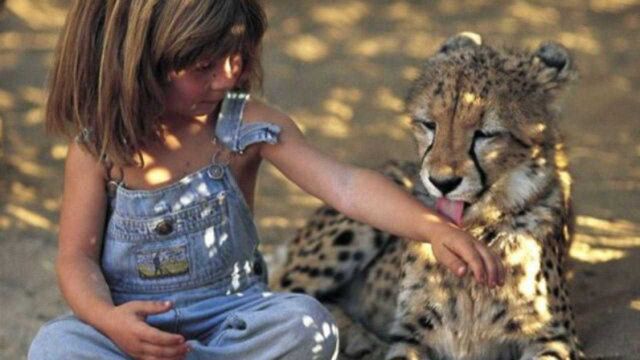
219	159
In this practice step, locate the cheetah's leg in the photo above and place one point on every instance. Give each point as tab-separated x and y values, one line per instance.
558	341
558	344
355	341
552	350
404	351
418	268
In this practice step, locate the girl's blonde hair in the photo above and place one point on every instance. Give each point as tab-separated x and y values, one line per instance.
114	56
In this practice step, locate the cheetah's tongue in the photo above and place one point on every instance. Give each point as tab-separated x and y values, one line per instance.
451	209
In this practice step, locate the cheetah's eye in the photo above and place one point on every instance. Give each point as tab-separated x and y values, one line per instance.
424	124
479	134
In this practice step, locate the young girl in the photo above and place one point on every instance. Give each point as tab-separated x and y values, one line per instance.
158	250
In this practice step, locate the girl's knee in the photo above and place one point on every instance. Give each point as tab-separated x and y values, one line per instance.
69	338
316	327
307	306
50	340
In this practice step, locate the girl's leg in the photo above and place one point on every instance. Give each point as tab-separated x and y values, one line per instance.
69	338
275	326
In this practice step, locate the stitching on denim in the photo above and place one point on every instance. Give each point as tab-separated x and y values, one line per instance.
216	281
258	132
241	102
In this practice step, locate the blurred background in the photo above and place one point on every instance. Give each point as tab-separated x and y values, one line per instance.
341	69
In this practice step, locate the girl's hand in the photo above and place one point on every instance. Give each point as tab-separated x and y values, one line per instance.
457	250
128	329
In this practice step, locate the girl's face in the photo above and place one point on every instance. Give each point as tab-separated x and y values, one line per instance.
198	90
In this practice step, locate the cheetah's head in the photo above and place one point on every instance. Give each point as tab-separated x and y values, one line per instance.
483	121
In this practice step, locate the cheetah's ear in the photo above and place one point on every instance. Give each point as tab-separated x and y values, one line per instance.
556	66
463	39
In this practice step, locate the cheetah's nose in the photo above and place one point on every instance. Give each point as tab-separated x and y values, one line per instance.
446	185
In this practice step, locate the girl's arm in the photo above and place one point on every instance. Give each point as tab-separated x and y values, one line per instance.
80	238
80	277
369	197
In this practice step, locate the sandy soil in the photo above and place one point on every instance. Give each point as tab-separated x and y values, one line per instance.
341	68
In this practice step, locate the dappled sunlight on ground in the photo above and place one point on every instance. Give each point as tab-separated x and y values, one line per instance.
307	48
613	5
38	14
600	240
341	69
593	255
613	233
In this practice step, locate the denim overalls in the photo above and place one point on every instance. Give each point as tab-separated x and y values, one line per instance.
194	243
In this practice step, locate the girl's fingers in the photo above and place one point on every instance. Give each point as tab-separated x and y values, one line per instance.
470	255
154	336
490	265
452	261
145	308
500	267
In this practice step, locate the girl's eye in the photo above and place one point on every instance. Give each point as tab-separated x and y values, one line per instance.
204	65
429	125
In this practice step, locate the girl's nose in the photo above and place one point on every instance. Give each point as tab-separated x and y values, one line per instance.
226	72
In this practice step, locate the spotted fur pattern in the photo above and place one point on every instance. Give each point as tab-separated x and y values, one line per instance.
486	135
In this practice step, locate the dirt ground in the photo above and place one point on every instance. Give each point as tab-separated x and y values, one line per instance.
341	69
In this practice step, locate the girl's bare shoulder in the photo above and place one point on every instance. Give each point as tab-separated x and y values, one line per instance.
257	110
80	161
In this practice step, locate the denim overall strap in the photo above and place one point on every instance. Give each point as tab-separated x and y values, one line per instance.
236	136
233	133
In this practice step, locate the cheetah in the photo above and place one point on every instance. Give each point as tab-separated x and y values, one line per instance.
484	120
